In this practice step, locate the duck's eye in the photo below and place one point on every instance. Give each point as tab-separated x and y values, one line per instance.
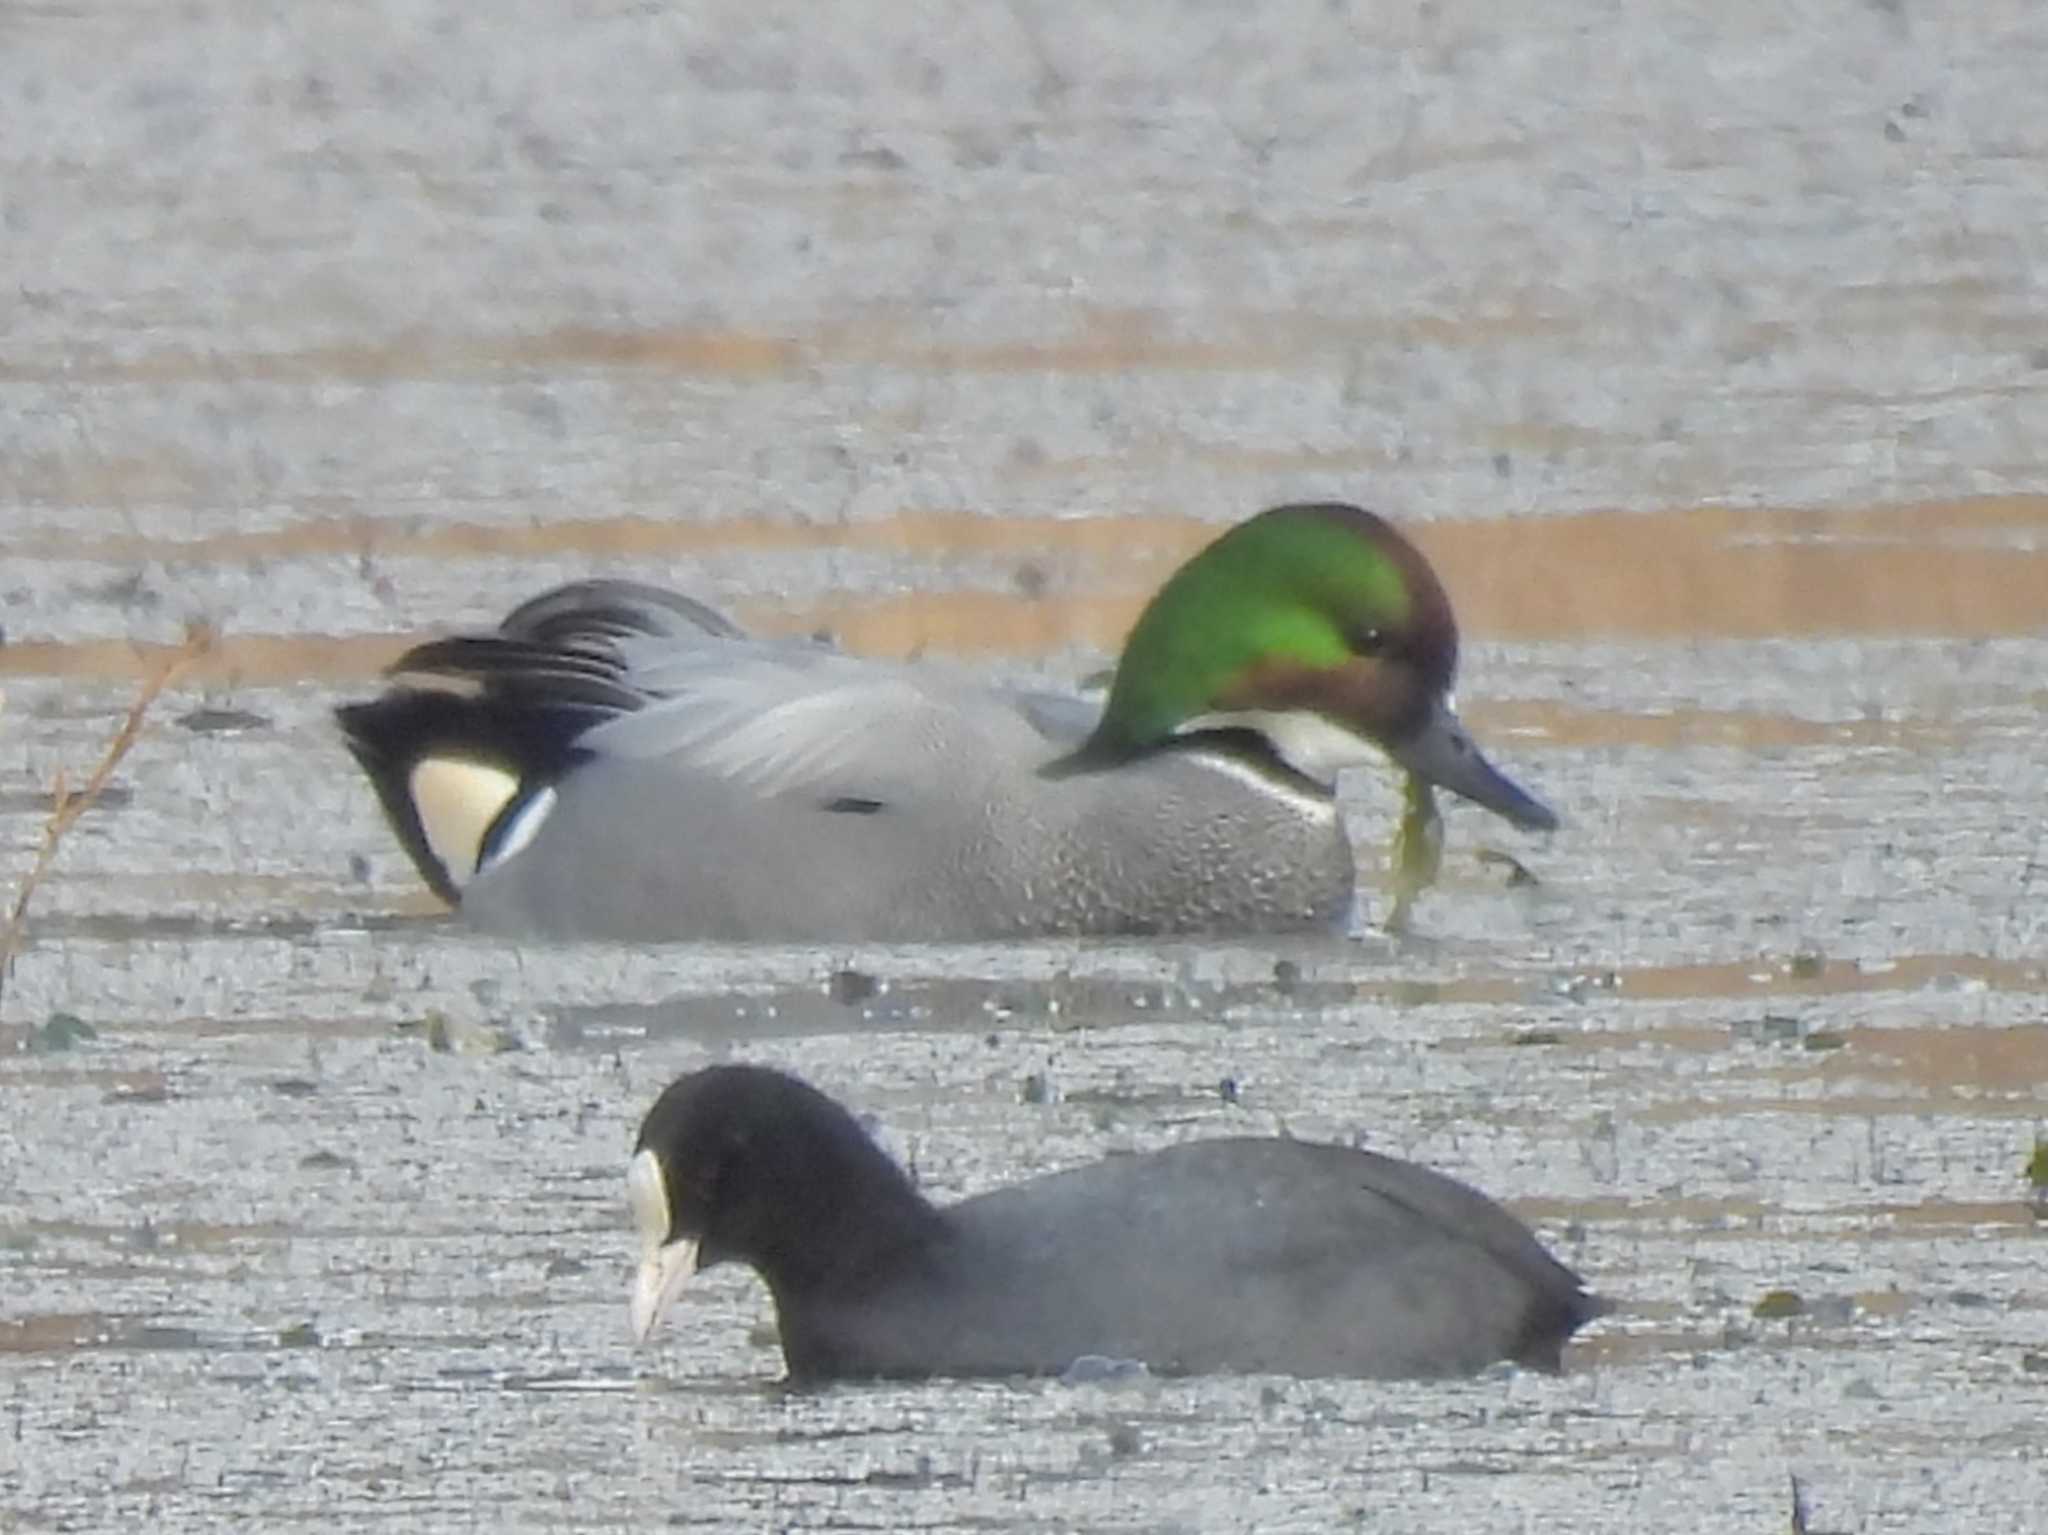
1369	643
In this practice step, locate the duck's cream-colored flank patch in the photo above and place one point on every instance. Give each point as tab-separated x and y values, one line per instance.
458	799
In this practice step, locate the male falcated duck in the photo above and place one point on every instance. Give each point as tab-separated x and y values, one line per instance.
1246	1256
620	762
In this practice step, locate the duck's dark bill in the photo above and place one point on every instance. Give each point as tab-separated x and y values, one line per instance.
1446	756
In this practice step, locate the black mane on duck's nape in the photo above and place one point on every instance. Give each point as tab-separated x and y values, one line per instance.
770	1172
517	700
505	704
392	735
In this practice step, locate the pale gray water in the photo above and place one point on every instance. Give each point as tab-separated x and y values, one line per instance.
333	325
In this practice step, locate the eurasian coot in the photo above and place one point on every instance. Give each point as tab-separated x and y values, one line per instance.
1240	1255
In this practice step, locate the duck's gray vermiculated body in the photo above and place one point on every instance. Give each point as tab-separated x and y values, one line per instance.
951	839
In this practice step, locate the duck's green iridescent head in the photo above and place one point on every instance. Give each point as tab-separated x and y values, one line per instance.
1324	630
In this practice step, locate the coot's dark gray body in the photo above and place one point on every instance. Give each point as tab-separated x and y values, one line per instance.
1252	1256
1233	1255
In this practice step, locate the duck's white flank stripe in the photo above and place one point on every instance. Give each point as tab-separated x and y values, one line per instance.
1309	802
519	831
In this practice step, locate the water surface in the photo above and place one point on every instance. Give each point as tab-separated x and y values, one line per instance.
1705	348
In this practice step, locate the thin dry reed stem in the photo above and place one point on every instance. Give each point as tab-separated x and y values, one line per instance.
66	806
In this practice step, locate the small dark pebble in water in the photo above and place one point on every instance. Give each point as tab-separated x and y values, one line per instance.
114	796
851	987
1519	877
1125	1441
294	1087
359	868
1286	976
123	591
1035	1090
64	1031
324	1161
222	722
1772	1029
560	1267
151	1336
1227	1090
1537	1037
304	1335
1778	1305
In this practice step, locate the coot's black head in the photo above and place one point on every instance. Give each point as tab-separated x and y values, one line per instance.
747	1164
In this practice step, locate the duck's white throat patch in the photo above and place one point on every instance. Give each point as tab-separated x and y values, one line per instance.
1310	744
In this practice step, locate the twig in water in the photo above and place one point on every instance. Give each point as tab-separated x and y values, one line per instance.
66	807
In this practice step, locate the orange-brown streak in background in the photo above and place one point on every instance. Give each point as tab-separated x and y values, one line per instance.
1105	340
427	355
1123	539
1701	573
1712	572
